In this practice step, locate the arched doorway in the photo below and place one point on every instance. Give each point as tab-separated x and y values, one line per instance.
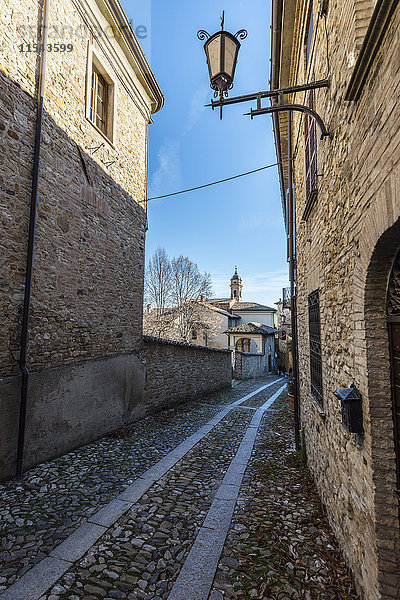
393	317
381	446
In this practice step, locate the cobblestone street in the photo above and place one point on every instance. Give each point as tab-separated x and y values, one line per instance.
146	513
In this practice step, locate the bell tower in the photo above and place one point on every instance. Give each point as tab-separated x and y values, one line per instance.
236	287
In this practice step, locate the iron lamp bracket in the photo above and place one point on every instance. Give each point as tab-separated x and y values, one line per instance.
325	132
278	97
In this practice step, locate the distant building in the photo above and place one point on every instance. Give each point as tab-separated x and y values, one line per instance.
247	311
197	322
223	320
253	347
221	323
252	334
284	325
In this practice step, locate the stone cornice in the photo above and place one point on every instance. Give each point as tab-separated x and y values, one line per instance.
135	86
380	20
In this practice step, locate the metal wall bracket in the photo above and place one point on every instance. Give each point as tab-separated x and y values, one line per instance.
292	107
278	96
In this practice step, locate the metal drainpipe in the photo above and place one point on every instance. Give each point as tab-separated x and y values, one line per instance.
292	246
31	246
275	42
277	7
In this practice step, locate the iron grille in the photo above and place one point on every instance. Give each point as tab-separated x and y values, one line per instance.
286	297
310	131
315	346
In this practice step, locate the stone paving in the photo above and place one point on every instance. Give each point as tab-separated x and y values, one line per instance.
55	498
280	545
259	399
182	495
143	553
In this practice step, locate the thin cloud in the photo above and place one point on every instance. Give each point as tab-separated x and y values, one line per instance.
199	99
168	176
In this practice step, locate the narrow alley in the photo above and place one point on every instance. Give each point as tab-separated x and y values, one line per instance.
163	508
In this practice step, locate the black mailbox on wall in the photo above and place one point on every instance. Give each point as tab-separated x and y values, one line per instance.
352	414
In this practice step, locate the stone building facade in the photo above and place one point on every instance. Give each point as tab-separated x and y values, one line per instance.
85	343
347	203
244	311
253	350
284	326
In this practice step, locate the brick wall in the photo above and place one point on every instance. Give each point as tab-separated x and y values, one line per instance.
177	372
345	249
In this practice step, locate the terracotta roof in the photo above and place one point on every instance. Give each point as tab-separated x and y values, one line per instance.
252	328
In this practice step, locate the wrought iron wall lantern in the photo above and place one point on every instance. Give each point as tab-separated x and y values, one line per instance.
222	51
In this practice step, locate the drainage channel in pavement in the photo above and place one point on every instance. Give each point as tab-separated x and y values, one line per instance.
147	500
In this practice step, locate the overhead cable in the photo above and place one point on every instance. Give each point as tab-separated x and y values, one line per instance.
199	187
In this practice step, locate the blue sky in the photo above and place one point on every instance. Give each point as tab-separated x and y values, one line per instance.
235	223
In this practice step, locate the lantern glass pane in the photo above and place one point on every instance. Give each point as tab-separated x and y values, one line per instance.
231	50
213	50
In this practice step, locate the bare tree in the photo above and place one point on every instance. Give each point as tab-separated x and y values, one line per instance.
187	281
176	291
158	279
158	294
188	285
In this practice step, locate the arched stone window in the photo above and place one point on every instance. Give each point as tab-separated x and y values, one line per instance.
240	345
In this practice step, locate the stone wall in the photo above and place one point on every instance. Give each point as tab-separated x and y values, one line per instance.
249	365
177	372
85	342
70	406
345	249
73	405
90	233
